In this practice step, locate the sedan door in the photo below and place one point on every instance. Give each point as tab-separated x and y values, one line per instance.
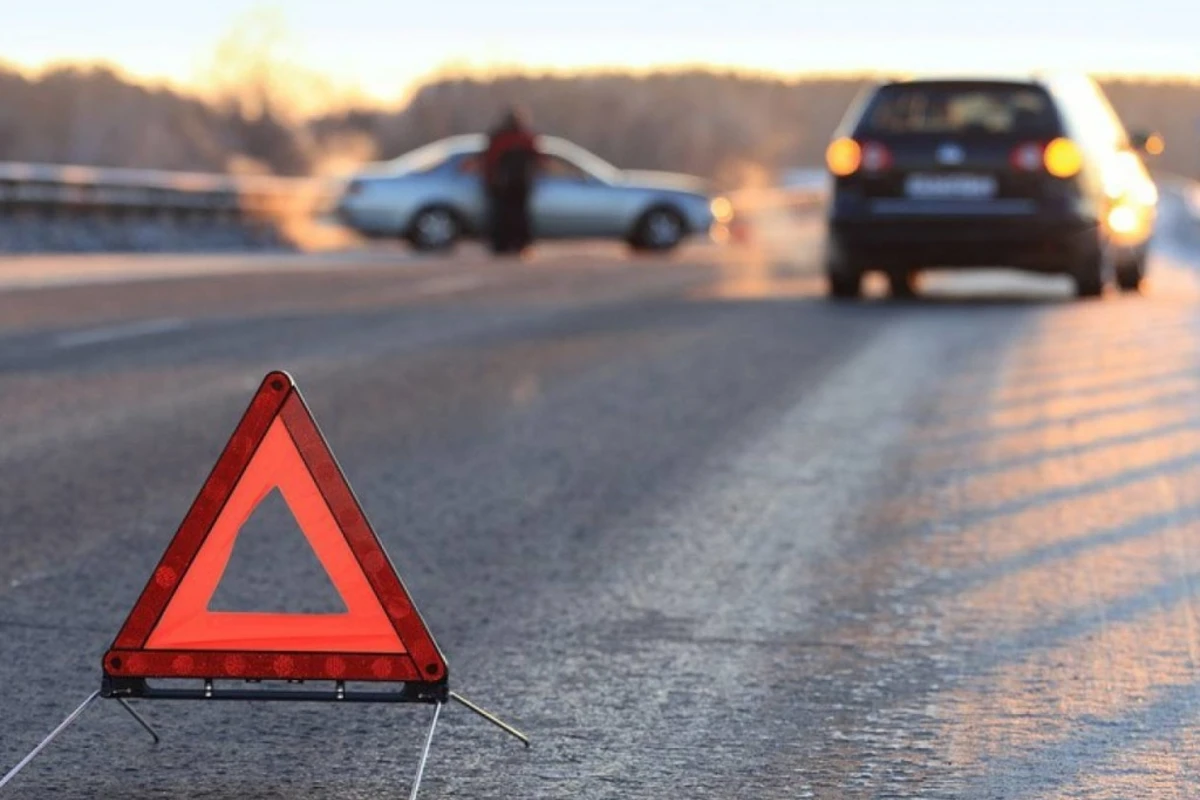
570	203
465	185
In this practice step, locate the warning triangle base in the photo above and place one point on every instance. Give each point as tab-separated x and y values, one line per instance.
292	691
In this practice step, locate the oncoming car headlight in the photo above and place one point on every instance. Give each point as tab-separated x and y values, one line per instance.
722	209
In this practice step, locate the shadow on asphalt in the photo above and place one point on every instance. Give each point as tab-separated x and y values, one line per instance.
1041	541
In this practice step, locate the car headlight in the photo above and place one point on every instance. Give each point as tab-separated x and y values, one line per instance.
722	209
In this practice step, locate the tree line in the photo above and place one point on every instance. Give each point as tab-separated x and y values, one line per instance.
701	122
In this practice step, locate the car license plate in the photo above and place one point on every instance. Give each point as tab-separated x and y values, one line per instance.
939	187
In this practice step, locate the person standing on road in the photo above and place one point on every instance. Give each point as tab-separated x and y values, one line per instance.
509	167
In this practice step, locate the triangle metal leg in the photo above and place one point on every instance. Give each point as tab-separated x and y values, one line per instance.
140	719
66	723
490	717
416	787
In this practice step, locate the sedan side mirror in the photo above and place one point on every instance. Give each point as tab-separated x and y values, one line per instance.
1146	142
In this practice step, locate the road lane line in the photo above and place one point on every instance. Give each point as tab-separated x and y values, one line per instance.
112	333
48	271
448	284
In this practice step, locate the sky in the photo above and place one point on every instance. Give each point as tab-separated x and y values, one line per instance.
383	46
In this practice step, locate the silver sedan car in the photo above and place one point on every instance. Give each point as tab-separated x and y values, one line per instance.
433	197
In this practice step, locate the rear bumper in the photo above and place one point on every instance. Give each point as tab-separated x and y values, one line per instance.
1031	241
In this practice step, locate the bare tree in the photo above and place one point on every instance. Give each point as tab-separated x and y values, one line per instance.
256	113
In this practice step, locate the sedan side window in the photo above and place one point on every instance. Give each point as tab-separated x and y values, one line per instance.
558	167
470	164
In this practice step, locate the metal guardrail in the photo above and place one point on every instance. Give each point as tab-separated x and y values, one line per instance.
66	189
1191	200
1185	189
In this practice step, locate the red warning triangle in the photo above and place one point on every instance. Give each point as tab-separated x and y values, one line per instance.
170	633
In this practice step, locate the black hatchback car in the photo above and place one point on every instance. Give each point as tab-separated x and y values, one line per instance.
1036	174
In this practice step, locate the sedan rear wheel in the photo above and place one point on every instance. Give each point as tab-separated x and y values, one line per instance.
434	229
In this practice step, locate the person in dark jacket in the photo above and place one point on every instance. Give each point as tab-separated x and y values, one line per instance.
509	168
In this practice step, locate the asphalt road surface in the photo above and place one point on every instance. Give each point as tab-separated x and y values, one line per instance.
698	531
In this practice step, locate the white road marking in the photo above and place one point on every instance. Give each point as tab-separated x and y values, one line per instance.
112	333
47	271
986	283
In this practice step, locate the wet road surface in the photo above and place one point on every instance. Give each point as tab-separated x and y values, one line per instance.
695	529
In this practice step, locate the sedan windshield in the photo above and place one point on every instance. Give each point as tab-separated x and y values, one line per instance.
431	156
419	160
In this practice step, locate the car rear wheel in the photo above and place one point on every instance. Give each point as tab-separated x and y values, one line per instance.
845	287
659	230
902	283
844	281
1131	273
434	229
843	277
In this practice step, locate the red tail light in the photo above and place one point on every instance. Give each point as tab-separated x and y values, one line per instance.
875	157
1027	157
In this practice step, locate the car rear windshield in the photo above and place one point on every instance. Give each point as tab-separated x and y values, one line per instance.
961	109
